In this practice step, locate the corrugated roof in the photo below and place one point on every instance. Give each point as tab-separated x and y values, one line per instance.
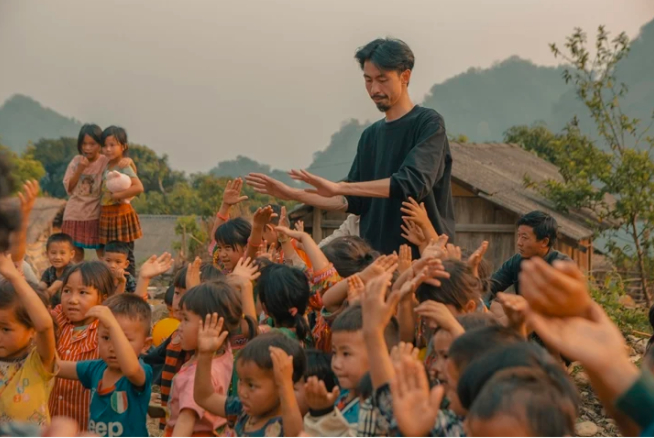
496	172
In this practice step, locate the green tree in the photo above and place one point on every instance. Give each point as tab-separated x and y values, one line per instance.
537	138
616	184
23	168
193	239
154	171
54	155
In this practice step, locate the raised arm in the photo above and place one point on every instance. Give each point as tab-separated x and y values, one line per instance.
231	197
127	358
318	259
67	370
210	338
245	272
27	199
36	310
283	373
151	268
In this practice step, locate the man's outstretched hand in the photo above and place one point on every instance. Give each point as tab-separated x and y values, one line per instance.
269	186
323	187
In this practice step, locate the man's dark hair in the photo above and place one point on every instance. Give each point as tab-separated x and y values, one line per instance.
133	307
543	225
93	131
386	54
117	247
59	238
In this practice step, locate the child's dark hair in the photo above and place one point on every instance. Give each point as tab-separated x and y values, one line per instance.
258	351
319	364
9	298
284	292
364	387
457	291
170	294
351	320
93	131
523	354
119	134
133	307
475	343
59	238
475	320
214	297
95	274
9	215
235	232
349	255
208	272
543	224
531	396
117	247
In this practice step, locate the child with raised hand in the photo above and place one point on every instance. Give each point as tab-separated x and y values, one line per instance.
150	269
86	285
118	220
61	252
231	243
27	198
186	416
27	349
116	256
265	405
231	197
119	381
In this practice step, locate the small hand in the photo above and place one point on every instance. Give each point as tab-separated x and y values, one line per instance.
405	259
269	186
415	212
440	315
414	407
452	252
156	266
293	234
516	310
436	248
102	314
323	187
193	273
126	162
27	197
246	269
317	396
376	308
412	233
403	349
299	226
83	163
210	334
263	216
283	218
119	275
232	193
355	287
282	367
385	263
8	269
476	257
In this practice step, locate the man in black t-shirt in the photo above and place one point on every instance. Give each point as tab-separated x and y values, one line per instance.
404	155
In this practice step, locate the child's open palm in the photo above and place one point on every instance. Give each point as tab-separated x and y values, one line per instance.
383	264
282	367
246	269
355	287
415	212
293	234
476	257
232	193
440	315
413	233
193	273
210	334
102	314
405	259
436	248
28	197
7	267
156	266
263	215
317	396
376	309
415	408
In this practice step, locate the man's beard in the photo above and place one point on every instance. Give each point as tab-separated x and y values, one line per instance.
382	106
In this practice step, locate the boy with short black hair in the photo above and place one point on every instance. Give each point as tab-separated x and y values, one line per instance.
116	256
61	252
120	383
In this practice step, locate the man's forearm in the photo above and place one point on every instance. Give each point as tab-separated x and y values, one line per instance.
380	188
332	203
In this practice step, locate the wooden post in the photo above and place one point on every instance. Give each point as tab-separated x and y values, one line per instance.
317	225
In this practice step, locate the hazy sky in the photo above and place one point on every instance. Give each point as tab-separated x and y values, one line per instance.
205	81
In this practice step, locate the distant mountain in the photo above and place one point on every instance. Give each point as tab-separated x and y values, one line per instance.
22	119
244	165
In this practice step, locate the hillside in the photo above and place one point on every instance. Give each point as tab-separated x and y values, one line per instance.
22	119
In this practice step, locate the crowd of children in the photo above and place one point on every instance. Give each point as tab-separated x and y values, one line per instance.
279	335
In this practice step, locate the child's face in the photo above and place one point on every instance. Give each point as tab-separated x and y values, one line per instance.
189	323
498	425
112	148
452	379
349	358
441	342
229	255
14	336
177	297
90	148
77	299
256	388
60	254
116	261
136	334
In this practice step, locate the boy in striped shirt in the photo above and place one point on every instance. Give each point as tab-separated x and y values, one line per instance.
120	383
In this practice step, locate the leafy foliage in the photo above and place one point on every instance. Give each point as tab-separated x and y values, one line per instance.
23	167
193	238
628	319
